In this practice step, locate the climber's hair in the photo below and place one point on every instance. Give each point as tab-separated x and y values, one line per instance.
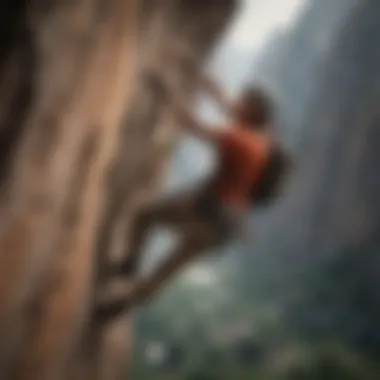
259	105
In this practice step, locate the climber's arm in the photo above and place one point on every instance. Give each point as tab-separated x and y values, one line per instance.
218	94
191	123
182	111
208	84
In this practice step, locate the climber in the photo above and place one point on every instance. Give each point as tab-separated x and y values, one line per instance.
210	216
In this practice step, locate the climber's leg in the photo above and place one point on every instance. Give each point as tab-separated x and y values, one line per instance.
173	212
214	226
201	238
141	226
205	226
191	214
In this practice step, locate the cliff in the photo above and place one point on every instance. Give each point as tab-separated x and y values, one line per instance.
322	269
82	137
293	60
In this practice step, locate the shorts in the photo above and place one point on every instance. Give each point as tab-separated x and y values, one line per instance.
196	213
227	220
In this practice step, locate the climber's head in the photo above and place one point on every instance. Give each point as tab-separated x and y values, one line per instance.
254	108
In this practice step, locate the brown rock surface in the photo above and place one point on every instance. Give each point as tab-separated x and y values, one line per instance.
81	139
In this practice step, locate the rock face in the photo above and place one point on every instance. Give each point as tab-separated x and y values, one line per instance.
327	260
292	61
81	136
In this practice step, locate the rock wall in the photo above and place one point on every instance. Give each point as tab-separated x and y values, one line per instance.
172	34
324	266
82	138
293	59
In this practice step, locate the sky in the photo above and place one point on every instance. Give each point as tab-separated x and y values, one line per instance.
259	18
254	24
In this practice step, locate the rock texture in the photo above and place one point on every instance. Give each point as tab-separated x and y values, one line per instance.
292	62
324	266
83	142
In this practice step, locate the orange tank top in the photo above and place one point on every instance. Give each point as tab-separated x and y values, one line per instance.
242	155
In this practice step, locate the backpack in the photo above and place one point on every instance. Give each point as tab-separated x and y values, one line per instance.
268	185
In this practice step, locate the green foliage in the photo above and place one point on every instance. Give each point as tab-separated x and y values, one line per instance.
190	321
332	362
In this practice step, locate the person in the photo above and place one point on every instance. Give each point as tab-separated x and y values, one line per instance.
210	216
